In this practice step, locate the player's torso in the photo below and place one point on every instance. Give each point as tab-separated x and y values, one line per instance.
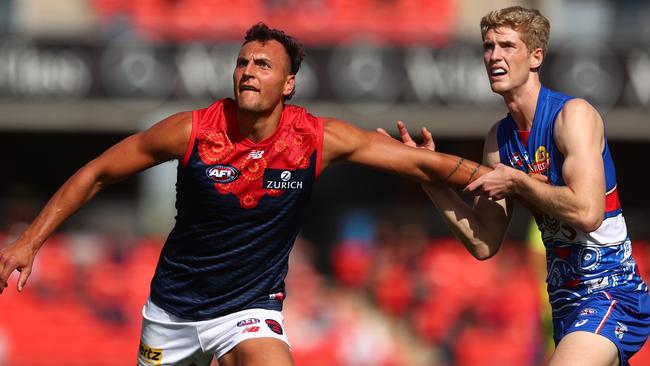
579	263
240	205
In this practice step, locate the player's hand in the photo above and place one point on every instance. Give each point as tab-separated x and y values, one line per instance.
497	184
427	138
16	256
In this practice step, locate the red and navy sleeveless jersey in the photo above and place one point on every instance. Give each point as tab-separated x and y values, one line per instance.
579	263
239	209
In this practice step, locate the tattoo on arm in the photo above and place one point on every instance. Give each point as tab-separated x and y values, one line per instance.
469	180
453	171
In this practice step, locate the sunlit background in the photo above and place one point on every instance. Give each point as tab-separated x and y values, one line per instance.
375	277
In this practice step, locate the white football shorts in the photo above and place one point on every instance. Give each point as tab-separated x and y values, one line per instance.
169	340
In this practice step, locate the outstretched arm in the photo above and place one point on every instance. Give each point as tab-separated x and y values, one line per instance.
164	141
480	226
346	142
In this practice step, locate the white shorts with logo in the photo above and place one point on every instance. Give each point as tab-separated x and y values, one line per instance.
169	340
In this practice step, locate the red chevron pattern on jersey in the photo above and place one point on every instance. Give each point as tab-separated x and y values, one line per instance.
288	148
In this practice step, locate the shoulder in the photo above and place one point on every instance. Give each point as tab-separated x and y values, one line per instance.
340	138
578	113
171	135
336	129
579	121
491	155
577	105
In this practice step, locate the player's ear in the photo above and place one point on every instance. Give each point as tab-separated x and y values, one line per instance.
536	58
289	85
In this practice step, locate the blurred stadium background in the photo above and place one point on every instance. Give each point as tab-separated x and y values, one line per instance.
375	278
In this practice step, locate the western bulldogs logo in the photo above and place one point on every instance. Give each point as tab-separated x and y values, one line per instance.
542	160
620	330
222	173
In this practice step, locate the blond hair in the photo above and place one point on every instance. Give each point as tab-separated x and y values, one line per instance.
533	27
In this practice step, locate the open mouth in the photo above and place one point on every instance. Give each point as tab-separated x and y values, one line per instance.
498	71
243	88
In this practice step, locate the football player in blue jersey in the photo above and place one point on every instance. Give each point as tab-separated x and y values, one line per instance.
600	305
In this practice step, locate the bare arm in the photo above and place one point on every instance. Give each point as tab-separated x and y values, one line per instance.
579	135
345	142
164	141
482	226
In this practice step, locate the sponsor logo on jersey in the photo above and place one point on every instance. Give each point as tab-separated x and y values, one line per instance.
249	321
256	154
150	356
283	179
222	173
620	330
274	326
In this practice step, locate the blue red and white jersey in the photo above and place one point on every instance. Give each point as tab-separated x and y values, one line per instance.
579	263
239	209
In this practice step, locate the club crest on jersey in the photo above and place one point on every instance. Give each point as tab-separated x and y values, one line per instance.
282	179
222	173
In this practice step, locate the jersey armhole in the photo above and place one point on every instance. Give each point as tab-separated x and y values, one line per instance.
319	146
190	145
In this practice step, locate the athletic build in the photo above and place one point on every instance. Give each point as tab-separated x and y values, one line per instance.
601	308
246	166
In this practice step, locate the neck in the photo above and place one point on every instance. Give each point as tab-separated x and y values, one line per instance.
257	126
522	102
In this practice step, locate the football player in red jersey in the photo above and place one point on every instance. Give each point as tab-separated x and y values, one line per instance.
245	167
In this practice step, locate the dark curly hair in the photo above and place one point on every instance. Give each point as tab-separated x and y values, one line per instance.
261	32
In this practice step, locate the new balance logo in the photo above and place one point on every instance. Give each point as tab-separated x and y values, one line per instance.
252	329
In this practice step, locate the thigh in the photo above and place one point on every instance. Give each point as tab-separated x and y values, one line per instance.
250	337
619	319
167	343
258	352
585	348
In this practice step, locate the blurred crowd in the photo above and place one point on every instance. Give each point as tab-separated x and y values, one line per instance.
396	297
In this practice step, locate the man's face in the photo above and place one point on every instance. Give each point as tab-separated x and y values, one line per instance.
261	78
507	60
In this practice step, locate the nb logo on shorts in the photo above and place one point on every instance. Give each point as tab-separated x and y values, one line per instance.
253	329
151	356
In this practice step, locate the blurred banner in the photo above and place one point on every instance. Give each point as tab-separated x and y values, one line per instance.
362	69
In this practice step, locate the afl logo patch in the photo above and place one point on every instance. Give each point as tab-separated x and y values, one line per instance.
247	322
222	173
274	326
